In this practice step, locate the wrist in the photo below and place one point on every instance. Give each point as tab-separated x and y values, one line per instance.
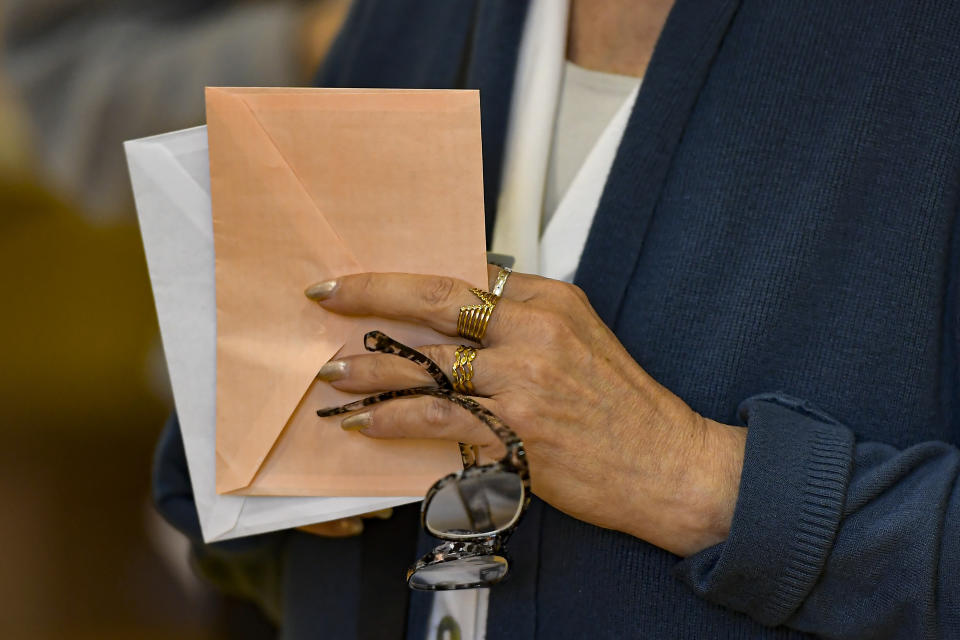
716	488
691	506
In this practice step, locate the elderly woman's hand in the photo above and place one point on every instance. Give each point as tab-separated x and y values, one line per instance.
606	443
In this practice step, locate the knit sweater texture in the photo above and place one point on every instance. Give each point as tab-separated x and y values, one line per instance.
777	244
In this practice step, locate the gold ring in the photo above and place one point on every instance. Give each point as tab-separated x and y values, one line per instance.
473	319
463	359
501	281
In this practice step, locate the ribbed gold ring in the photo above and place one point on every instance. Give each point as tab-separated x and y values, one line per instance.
501	281
463	359
473	319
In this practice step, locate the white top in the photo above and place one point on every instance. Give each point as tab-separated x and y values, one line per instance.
562	241
588	102
565	125
533	108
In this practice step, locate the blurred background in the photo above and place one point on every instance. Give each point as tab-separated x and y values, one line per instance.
83	388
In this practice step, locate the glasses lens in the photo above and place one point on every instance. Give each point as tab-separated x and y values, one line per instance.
464	573
475	504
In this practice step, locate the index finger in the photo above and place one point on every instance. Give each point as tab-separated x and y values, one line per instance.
431	300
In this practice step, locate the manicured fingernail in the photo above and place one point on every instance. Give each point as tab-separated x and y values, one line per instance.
357	422
333	370
321	290
383	514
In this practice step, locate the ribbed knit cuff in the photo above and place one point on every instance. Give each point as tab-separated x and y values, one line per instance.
795	476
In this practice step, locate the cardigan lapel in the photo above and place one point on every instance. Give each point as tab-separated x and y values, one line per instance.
681	60
400	44
491	67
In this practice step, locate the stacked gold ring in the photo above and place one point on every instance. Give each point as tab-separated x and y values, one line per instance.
463	359
473	319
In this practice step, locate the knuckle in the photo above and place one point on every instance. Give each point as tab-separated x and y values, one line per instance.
559	291
552	326
377	370
521	415
569	297
438	354
557	287
540	372
364	284
438	290
578	294
437	413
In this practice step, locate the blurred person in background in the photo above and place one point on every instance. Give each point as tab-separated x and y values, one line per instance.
80	385
91	74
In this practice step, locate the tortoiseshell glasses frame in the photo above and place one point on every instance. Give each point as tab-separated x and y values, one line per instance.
473	510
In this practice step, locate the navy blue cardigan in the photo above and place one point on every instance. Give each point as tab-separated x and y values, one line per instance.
777	244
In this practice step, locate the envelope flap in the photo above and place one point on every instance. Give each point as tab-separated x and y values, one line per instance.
173	190
416	153
271	338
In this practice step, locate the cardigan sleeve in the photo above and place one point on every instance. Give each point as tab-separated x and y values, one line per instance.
302	582
835	536
249	568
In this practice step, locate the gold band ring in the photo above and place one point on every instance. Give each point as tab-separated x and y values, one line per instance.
473	319
501	281
463	359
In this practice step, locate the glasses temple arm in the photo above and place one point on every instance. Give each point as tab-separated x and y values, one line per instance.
381	342
495	424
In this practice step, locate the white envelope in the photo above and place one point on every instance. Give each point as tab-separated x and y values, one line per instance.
170	174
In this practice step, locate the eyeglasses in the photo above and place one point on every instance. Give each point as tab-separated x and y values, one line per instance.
474	510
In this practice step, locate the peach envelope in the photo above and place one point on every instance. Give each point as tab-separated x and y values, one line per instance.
308	185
